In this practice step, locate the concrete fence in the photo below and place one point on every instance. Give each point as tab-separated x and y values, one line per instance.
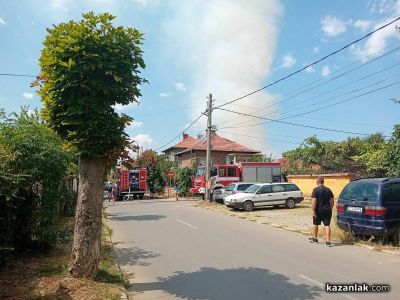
336	182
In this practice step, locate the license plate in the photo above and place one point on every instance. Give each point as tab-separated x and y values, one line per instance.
354	209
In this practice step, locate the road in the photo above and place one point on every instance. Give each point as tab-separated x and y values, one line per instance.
178	251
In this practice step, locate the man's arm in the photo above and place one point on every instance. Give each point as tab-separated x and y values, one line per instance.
332	200
313	205
313	201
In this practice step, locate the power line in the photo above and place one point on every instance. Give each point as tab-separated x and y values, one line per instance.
261	138
294	124
346	100
301	90
309	65
336	77
179	134
329	105
16	75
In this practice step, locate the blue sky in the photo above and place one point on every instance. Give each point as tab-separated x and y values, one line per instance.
229	48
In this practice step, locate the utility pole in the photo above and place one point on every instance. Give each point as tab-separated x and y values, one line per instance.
208	155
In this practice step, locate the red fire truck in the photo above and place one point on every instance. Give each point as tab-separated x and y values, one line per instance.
131	182
223	175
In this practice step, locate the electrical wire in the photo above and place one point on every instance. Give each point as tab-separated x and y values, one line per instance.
179	134
294	124
261	138
325	100
301	90
309	65
16	75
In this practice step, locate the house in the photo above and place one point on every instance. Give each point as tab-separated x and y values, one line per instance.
191	151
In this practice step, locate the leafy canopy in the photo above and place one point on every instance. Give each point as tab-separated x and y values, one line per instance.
87	67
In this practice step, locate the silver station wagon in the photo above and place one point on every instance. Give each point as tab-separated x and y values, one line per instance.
267	194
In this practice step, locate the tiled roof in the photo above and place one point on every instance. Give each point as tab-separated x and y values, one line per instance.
218	144
185	143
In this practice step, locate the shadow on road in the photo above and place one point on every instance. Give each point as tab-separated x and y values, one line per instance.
118	217
134	256
238	283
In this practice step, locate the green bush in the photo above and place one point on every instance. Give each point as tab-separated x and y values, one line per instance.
184	177
34	163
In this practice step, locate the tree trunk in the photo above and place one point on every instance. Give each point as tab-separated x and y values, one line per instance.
87	234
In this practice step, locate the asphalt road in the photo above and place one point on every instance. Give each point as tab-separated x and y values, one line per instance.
177	251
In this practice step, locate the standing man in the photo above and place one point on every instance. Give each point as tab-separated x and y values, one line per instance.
321	204
177	191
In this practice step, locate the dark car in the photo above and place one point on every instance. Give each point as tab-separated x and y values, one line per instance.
371	207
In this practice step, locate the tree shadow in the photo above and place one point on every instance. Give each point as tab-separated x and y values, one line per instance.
118	217
232	284
134	256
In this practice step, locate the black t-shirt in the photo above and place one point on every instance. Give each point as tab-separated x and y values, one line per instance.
323	196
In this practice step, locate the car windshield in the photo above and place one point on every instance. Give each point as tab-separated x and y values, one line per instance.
360	191
252	189
230	187
200	172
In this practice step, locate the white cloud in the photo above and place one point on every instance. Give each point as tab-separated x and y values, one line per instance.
310	69
325	71
136	124
376	44
163	94
146	2
333	26
2	22
27	95
206	39
179	86
362	24
145	141
59	5
121	107
288	61
315	49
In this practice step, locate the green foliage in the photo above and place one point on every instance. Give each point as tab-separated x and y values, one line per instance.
33	165
87	67
184	177
393	153
261	158
368	157
157	168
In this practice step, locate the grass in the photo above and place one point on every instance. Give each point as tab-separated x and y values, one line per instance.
45	276
109	270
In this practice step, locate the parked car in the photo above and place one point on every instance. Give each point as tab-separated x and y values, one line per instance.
371	207
237	187
218	195
267	194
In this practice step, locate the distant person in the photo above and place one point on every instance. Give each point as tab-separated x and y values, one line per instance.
114	193
109	189
151	189
177	192
321	204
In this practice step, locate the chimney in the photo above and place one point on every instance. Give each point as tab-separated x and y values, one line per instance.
185	136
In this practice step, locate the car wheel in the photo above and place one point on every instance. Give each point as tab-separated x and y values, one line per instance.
290	203
396	237
248	205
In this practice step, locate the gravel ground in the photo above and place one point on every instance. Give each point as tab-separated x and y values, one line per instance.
298	219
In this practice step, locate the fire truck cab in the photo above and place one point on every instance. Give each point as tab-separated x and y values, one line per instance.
131	183
223	175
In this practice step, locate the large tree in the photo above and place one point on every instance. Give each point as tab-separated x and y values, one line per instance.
393	153
87	67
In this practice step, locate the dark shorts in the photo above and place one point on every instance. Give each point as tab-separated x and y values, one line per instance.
324	217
